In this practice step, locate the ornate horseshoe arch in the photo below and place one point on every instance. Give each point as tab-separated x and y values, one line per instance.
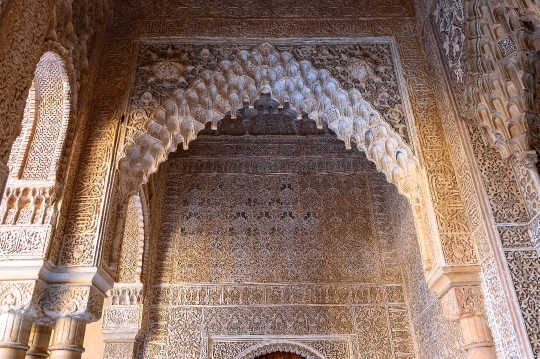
164	117
280	346
216	93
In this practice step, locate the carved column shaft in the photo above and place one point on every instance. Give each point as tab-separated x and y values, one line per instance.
466	306
40	337
68	338
14	335
477	336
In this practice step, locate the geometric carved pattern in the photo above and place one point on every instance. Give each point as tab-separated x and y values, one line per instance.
507	46
53	106
132	243
259	246
524	267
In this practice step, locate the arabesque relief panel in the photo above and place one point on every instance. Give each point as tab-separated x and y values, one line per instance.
284	238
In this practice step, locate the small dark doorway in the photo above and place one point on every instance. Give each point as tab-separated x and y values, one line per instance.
280	355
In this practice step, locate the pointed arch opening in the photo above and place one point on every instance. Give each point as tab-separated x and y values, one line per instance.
29	205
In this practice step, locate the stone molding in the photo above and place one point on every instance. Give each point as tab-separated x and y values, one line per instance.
280	346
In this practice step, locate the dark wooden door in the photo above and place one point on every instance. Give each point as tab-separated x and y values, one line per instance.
280	355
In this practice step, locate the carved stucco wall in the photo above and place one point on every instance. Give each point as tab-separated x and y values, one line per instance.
144	20
491	48
306	246
435	336
141	22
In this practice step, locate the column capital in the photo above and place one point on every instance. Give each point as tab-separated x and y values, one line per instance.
21	297
82	302
460	302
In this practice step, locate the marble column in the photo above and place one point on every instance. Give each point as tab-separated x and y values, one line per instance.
40	337
14	335
68	338
477	337
465	305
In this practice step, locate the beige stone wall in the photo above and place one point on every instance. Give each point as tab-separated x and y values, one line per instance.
93	341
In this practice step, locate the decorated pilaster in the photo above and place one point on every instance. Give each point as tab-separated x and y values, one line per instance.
124	304
122	320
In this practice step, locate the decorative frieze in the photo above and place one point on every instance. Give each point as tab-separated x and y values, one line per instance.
24	241
276	294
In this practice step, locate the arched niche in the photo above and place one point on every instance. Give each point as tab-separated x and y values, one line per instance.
31	194
158	127
37	150
286	346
